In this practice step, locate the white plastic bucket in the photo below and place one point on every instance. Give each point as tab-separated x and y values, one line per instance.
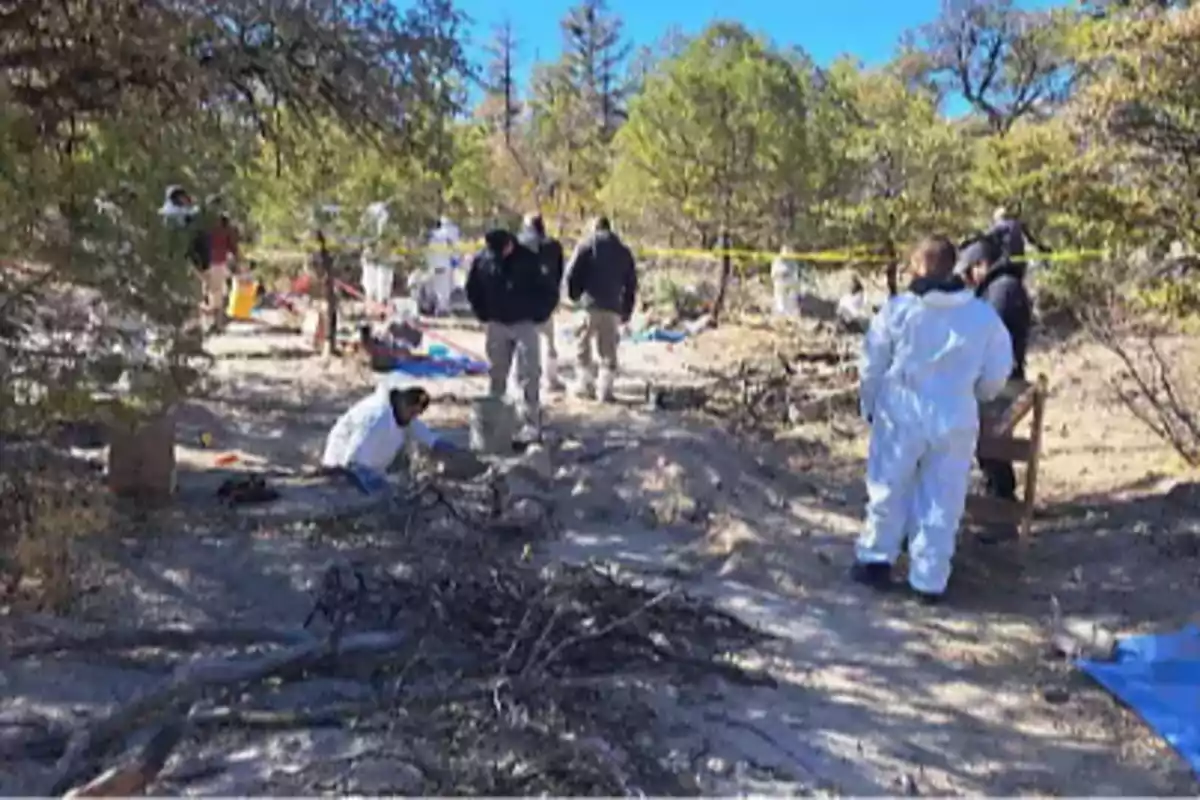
493	425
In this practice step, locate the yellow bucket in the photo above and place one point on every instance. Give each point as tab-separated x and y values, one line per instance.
241	298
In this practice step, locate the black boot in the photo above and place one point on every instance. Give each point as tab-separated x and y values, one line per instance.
927	599
877	576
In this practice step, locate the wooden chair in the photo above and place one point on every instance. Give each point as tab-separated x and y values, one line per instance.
997	440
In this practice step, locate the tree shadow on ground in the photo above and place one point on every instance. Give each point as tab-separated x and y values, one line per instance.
878	690
876	694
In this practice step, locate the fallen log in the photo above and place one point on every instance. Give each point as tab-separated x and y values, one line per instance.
134	777
190	680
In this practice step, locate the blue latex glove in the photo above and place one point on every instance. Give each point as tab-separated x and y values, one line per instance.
366	480
444	446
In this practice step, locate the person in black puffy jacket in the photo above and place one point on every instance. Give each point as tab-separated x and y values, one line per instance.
1000	282
602	277
511	294
550	253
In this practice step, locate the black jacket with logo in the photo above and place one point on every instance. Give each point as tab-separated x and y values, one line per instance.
510	289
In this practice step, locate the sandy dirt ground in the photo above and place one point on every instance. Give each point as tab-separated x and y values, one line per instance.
875	695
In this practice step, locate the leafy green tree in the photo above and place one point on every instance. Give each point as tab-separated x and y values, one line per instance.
1139	114
906	164
714	135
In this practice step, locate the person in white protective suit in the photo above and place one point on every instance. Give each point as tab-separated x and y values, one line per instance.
930	356
378	276
785	282
442	262
374	431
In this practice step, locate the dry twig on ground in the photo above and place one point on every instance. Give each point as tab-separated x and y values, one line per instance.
522	680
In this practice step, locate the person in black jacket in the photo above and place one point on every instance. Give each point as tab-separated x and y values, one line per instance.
1010	234
1000	282
511	294
550	253
602	277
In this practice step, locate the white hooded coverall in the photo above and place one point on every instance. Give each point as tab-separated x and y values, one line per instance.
927	362
785	283
377	275
442	261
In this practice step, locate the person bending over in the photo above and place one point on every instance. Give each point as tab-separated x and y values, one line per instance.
367	438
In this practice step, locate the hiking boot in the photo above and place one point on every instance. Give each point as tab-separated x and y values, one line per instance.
529	434
877	576
605	386
999	534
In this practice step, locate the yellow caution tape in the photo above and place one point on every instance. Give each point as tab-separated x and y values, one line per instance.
859	255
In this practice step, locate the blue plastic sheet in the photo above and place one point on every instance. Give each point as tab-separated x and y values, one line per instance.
441	367
660	335
1158	676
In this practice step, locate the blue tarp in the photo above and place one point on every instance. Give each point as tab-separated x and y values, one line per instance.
1158	676
659	335
442	363
442	367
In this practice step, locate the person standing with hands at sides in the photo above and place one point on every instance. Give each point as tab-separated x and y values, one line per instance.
602	277
513	297
550	254
930	356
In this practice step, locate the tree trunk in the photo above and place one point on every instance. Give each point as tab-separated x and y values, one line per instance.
325	262
726	274
893	269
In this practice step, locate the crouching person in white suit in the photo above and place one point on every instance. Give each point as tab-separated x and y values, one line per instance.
366	440
931	355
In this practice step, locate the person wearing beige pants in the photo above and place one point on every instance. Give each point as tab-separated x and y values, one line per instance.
549	357
214	284
601	331
517	342
550	254
602	278
511	294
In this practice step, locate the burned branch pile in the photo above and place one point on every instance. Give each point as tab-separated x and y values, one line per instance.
492	674
765	394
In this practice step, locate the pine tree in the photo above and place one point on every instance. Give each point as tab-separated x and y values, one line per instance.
503	104
595	54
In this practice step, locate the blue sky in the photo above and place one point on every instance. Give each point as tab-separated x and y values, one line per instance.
868	29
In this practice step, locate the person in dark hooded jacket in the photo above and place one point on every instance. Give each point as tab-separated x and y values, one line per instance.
602	277
511	294
550	253
1000	282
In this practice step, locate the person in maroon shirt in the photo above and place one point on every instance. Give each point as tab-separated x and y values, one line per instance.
223	254
224	244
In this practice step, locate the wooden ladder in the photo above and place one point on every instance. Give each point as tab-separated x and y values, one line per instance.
997	440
